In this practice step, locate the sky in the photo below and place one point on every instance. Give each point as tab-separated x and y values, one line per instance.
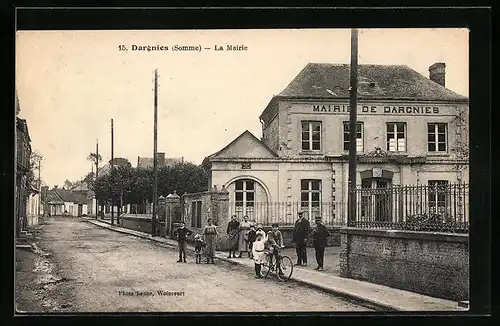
72	83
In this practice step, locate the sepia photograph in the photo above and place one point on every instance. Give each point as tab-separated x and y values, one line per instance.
224	170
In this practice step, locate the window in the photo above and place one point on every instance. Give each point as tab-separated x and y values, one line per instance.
438	190
396	137
359	137
311	135
436	137
310	197
196	214
244	194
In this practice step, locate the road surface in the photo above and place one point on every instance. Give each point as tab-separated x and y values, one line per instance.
81	267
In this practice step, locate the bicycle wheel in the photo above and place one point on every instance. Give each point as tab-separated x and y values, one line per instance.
265	267
286	267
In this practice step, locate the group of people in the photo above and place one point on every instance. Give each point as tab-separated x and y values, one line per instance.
247	237
204	244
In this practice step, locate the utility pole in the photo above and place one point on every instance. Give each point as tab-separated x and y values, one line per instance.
112	177
353	105
96	175
39	186
155	163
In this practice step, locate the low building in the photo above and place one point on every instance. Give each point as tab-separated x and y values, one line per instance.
148	162
63	202
411	130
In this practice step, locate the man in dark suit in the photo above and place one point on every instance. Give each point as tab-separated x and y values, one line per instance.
299	236
320	238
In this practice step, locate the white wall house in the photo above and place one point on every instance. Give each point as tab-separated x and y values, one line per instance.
411	131
62	202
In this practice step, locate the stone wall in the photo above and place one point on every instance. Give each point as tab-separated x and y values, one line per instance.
137	222
430	263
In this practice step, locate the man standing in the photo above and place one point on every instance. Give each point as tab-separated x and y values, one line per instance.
299	236
320	235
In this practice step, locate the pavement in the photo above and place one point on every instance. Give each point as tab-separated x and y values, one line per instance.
378	296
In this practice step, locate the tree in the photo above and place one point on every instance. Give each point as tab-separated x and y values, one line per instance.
94	158
34	165
183	177
120	161
68	184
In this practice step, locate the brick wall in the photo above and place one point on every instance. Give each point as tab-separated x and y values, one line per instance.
434	264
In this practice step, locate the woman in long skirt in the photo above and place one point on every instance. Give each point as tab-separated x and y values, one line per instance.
242	236
210	237
232	231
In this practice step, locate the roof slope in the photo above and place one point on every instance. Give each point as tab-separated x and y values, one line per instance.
322	80
58	195
245	145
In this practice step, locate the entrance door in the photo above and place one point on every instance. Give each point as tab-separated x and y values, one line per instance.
80	209
376	200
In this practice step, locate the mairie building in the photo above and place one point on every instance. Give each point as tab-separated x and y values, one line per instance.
411	130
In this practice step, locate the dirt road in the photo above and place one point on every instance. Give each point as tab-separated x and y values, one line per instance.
84	268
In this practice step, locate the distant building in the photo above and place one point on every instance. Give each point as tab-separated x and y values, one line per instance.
63	202
147	162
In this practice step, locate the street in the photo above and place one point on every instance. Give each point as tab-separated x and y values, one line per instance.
83	268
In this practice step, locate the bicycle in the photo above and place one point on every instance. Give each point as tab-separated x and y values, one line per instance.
285	263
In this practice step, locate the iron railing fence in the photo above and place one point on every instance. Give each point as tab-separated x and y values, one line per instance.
286	213
439	207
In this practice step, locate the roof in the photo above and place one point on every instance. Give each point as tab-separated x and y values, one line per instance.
323	80
58	195
81	187
246	133
147	162
22	126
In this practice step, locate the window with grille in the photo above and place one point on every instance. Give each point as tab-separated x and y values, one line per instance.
196	214
359	137
396	137
310	197
438	193
437	135
311	135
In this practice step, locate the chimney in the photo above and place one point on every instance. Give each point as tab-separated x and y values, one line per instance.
160	157
437	73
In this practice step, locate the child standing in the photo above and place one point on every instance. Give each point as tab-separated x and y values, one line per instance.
182	233
252	234
258	250
198	247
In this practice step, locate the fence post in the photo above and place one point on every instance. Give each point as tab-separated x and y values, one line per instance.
173	212
219	209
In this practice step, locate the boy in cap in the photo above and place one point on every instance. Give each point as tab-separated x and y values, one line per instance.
182	233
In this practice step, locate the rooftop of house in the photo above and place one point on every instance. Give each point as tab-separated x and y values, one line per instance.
146	162
60	195
324	80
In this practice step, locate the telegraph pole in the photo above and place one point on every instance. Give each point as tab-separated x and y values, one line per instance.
39	185
112	177
96	175
353	105
155	163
